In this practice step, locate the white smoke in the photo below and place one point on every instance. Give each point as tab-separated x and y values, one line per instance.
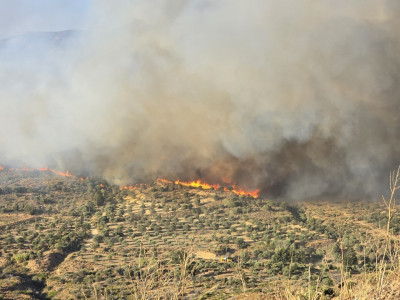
298	98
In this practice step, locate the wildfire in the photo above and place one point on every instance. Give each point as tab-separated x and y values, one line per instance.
128	187
43	169
164	180
241	192
197	184
206	186
66	174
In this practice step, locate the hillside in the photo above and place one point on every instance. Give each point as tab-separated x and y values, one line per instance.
75	238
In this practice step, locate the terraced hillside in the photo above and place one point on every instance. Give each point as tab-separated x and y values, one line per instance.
74	238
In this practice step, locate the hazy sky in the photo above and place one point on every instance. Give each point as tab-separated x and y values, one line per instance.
19	16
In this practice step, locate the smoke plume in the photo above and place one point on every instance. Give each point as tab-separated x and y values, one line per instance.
297	98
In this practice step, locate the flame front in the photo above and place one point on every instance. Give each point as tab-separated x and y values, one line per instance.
43	169
164	180
241	192
206	186
197	184
66	174
129	187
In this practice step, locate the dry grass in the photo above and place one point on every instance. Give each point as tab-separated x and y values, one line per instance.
156	276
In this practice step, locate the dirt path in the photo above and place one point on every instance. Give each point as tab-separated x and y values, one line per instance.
351	219
24	219
206	255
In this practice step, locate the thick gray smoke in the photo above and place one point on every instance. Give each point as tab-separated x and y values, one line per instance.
297	98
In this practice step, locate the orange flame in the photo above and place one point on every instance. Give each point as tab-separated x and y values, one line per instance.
198	183
104	186
66	174
206	186
241	192
164	180
128	187
43	169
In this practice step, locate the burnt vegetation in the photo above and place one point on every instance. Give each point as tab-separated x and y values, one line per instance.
69	238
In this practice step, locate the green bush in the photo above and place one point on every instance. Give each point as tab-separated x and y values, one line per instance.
20	257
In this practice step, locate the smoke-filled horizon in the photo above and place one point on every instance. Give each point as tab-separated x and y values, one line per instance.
297	98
